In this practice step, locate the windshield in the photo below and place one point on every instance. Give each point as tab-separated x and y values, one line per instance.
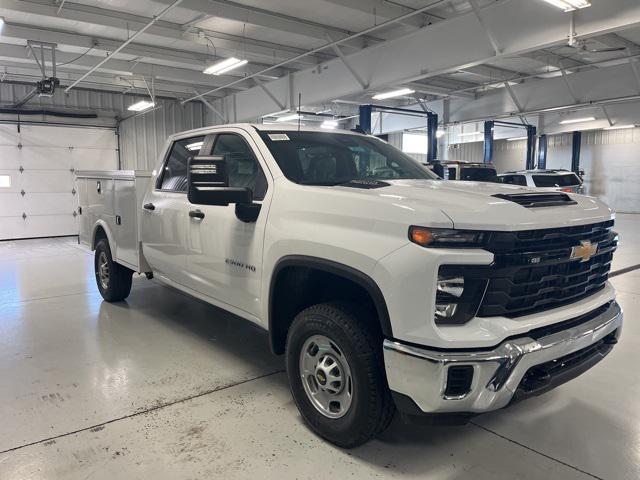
566	180
479	174
318	158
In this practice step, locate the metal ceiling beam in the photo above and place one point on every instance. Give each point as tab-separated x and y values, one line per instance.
251	15
406	59
127	42
331	44
594	87
124	23
194	60
30	73
115	67
211	107
387	10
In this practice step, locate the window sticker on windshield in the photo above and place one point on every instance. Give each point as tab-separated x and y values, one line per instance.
278	137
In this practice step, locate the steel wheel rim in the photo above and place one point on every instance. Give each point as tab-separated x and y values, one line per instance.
103	270
326	376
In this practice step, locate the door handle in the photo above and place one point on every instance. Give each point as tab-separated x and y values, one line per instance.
149	206
196	214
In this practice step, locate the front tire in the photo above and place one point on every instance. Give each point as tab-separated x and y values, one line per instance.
113	279
336	373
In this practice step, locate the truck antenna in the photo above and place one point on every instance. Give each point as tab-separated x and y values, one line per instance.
299	103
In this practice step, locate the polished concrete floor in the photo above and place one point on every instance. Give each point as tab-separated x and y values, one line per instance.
165	387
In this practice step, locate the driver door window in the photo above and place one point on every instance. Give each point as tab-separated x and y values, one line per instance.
244	170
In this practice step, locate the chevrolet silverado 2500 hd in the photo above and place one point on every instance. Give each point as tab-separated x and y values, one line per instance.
384	286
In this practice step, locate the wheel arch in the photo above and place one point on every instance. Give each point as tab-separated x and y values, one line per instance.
277	334
101	230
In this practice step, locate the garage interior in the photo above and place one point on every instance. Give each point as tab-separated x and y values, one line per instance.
162	386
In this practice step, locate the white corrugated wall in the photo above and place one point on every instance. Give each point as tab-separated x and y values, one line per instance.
142	137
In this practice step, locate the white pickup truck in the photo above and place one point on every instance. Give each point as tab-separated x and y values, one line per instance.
385	287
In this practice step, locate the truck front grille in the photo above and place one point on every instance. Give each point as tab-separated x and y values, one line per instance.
534	270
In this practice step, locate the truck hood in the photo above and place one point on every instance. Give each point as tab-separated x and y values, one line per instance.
473	205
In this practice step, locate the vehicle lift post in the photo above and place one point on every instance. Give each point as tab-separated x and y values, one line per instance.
489	127
575	152
531	146
542	152
365	124
488	141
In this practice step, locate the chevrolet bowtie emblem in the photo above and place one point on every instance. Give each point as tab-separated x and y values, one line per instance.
584	251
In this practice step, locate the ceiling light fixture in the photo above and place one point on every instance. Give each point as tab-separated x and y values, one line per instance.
288	118
440	133
392	94
329	124
466	134
141	106
569	5
619	127
577	120
224	66
514	139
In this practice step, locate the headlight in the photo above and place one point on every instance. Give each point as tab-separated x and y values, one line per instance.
445	237
457	298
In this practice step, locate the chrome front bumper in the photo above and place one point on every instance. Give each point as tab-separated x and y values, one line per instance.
421	374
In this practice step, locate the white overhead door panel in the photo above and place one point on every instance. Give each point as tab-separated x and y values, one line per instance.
40	161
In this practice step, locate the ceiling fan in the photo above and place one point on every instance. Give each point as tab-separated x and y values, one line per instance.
582	48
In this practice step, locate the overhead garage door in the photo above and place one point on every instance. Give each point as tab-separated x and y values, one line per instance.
37	191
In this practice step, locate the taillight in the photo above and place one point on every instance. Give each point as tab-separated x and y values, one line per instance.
567	189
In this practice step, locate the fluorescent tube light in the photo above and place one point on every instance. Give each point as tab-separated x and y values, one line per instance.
141	105
514	139
288	118
224	66
619	127
394	93
192	147
569	5
329	124
577	120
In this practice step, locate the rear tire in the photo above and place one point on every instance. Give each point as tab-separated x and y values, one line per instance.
113	279
333	351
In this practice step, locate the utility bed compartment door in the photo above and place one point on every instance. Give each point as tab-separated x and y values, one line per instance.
115	199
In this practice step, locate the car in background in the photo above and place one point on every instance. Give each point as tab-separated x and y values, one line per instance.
466	171
562	180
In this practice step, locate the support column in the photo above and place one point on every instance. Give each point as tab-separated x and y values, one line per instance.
432	140
488	141
365	118
531	146
575	152
542	152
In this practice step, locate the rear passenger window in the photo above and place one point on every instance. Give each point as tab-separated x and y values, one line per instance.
174	176
242	166
515	180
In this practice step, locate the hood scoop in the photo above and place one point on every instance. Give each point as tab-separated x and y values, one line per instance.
367	184
538	200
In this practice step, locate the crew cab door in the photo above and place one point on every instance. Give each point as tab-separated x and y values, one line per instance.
164	219
224	255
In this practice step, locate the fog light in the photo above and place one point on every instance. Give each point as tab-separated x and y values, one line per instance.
457	298
448	290
451	286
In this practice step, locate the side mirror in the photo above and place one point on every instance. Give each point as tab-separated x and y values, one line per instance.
208	183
